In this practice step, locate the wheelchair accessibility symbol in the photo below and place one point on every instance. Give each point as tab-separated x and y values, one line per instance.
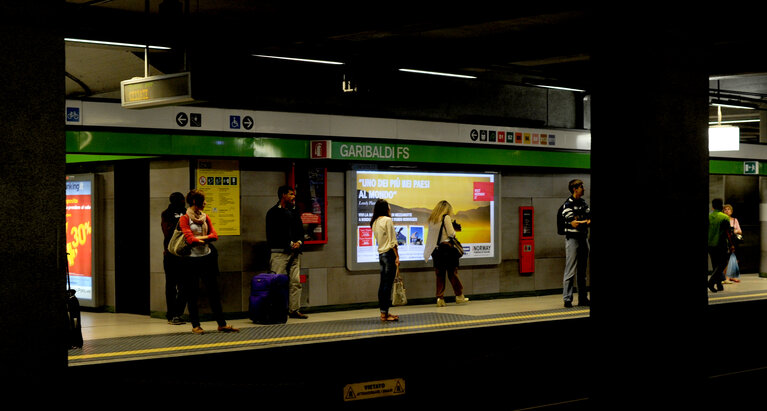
237	122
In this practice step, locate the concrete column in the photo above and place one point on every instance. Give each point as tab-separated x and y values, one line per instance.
649	199
32	283
763	226
763	199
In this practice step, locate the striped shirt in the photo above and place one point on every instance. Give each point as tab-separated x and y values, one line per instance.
576	209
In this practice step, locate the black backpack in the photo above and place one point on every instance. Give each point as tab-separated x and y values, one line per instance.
561	220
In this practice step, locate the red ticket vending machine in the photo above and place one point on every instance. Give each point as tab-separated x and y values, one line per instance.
526	240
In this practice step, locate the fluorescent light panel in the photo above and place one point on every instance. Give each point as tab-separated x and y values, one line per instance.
753	120
437	73
298	59
115	44
560	88
732	104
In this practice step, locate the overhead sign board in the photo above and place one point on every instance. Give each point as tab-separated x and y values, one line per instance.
153	91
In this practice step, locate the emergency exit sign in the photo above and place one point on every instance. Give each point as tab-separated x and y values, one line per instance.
751	167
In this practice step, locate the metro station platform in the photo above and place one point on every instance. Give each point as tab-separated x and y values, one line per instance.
475	345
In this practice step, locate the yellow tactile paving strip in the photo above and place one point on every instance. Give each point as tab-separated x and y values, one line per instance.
259	336
147	346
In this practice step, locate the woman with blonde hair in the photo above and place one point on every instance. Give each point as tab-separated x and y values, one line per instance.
444	256
732	273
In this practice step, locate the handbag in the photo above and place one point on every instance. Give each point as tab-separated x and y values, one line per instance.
177	244
398	295
455	246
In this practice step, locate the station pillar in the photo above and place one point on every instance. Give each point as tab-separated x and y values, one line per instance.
649	202
32	163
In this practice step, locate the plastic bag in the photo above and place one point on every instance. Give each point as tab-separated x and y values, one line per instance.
732	270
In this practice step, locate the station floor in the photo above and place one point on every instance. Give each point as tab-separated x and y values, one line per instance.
110	337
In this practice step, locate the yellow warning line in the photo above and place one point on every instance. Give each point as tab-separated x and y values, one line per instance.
734	297
230	344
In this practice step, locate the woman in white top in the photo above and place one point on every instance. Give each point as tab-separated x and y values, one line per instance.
388	256
445	257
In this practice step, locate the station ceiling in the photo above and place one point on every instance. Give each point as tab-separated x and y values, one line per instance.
499	43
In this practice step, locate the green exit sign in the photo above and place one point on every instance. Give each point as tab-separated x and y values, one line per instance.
751	167
154	91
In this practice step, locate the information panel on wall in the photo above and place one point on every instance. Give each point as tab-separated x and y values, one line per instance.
411	197
80	229
220	181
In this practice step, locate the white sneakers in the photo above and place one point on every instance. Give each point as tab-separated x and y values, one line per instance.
459	299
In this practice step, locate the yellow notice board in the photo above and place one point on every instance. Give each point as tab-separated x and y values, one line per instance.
374	389
220	181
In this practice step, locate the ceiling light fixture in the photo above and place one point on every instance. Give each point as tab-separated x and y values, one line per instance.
298	59
437	73
733	104
577	90
750	120
115	44
723	138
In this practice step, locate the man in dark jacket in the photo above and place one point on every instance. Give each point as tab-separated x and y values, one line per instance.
577	217
285	236
174	293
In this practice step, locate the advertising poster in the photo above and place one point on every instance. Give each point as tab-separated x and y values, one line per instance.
412	197
79	234
220	181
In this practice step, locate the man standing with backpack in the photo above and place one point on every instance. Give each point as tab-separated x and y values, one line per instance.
575	219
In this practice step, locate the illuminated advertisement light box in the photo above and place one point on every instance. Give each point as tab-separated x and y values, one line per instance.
411	197
80	244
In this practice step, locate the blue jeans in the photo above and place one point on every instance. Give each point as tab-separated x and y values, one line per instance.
388	272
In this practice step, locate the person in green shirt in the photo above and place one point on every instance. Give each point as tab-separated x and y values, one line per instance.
719	244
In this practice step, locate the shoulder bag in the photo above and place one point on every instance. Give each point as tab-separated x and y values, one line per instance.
177	244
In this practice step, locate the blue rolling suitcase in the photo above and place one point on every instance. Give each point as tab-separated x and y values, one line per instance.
269	298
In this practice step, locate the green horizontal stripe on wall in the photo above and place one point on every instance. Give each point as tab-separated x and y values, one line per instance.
107	142
731	167
498	156
85	146
140	144
90	158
